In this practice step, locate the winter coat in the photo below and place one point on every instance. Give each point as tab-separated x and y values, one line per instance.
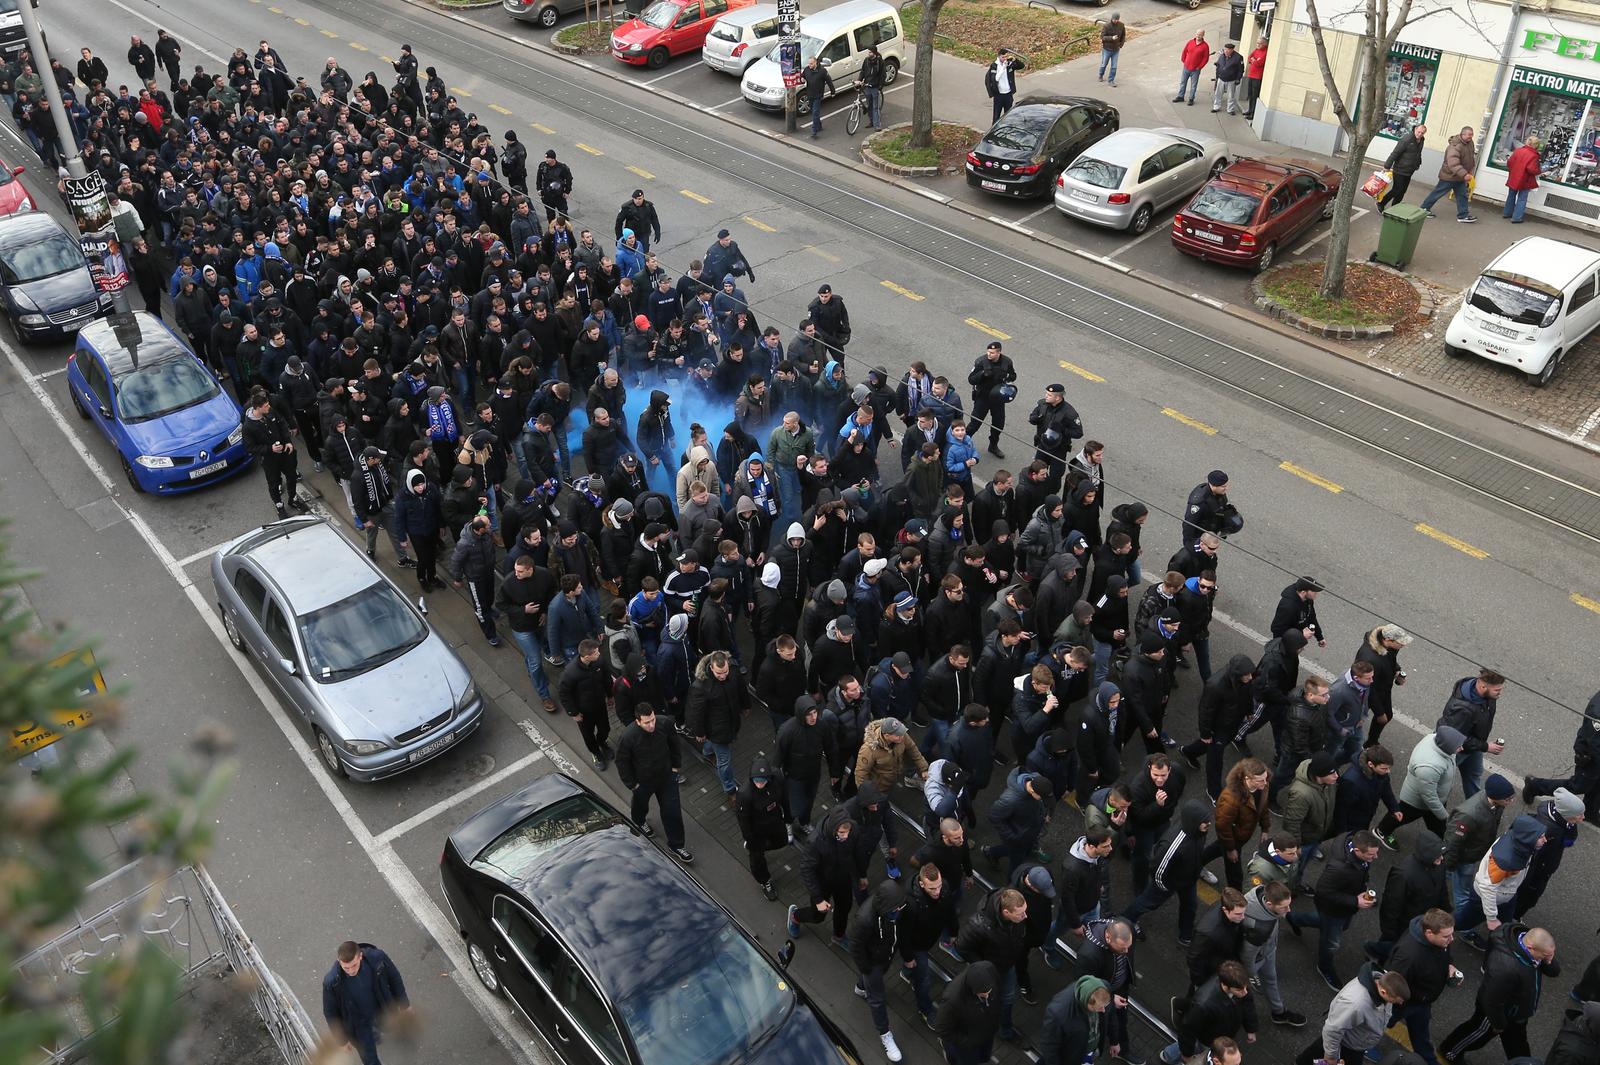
1018	818
1212	1012
1343	879
1503	869
883	763
1357	795
647	758
988	936
802	749
1431	778
1072	1033
1239	814
1471	713
570	622
1385	670
1083	881
715	707
1216	940
963	1018
1512	980
1460	159
1095	958
1356	1018
583	690
1177	856
1307	807
1147	817
946	690
763	813
347	1014
875	927
1413	887
1425	966
1305	728
1225	700
1406	158
1474	826
1146	685
828	866
1578	1042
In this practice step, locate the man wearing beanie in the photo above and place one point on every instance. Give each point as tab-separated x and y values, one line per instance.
1561	815
1307	808
1208	510
1473	826
1431	778
1586	764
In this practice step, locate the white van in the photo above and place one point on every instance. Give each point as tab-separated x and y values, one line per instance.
841	36
1529	307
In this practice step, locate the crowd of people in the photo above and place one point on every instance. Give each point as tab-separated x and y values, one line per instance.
492	387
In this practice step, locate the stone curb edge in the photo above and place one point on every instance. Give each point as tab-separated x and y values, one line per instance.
1163	284
1267	305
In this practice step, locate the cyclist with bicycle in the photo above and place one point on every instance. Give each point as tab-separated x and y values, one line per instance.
870	84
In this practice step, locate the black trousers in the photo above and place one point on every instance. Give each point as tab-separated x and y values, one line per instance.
480	590
553	205
1396	192
840	897
595	728
758	863
425	549
282	476
310	431
983	408
1475	1032
1412	815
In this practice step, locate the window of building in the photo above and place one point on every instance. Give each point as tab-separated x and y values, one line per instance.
1564	114
1409	74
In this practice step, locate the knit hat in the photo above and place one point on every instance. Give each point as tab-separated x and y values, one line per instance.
678	626
1568	805
1151	642
859	393
1216	478
1322	764
622	509
904	602
835	591
1395	633
655	528
875	567
1448	738
1498	787
892	726
1294	640
461	474
980	977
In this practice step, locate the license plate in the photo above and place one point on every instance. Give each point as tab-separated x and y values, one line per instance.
203	470
1215	238
1089	197
994	185
433	748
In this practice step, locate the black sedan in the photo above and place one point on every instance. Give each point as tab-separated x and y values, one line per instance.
1036	140
612	952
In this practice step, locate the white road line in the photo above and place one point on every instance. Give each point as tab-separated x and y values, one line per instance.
673	73
846	107
1030	217
186	562
551	751
422	817
1590	424
725	103
1146	235
50	373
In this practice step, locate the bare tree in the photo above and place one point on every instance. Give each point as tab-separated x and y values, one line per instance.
922	91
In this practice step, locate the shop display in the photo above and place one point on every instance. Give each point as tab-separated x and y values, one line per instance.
1407	84
1566	123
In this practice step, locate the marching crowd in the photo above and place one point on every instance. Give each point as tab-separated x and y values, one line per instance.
492	386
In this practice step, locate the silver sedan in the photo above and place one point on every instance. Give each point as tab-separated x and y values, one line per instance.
1122	181
379	689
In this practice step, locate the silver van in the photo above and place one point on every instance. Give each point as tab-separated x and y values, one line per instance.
741	37
840	36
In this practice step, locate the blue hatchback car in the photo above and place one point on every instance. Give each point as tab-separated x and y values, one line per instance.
172	423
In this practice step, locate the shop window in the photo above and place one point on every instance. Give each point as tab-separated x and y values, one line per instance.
1409	74
1565	119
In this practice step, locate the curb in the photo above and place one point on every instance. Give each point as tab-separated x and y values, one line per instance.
466	5
1334	330
877	162
1154	281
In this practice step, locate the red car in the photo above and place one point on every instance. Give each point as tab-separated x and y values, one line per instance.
668	28
1245	215
14	199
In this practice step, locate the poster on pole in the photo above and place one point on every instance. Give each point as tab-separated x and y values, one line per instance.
789	63
91	209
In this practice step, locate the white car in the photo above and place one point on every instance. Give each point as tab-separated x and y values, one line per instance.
1529	307
741	37
1122	181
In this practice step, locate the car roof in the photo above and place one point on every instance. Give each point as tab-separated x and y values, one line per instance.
28	227
832	19
1555	262
1133	145
298	562
1050	98
749	16
608	893
125	342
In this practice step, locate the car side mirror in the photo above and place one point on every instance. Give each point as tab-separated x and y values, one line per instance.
288	666
105	411
786	953
16	171
824	62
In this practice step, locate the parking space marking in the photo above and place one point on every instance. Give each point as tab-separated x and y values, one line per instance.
1128	245
725	103
422	817
541	127
1585	602
202	555
819	253
276	10
1193	423
1451	541
1355	214
672	73
549	749
1087	375
591	149
902	290
695	196
991	330
1035	214
1306	475
49	373
758	224
499	110
641	172
852	103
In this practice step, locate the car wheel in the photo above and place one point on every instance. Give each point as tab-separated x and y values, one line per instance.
548	17
1454	352
1327	209
231	629
657	58
1542	378
77	404
802	106
1193	4
330	757
1141	220
1269	253
127	471
483	968
891	70
1218	167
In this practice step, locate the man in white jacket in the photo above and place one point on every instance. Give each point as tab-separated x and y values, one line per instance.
1357	1018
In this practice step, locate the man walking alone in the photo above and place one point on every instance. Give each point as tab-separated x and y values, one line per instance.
1000	80
360	987
1113	35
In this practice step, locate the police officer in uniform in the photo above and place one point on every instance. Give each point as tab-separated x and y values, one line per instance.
1055	426
992	389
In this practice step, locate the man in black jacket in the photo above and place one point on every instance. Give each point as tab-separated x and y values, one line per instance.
639	215
1225	701
1218	937
647	762
803	745
267	436
1518	961
1176	871
833	867
1056	425
1208	510
1156	788
584	688
997	933
763	814
873	936
1586	766
522	597
1221	1006
1403	161
372	503
1341	894
1470	708
718	701
1107	952
357	991
991	373
929	908
1421	954
1412	888
969	1016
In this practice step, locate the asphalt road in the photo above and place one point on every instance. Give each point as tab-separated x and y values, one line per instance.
308	861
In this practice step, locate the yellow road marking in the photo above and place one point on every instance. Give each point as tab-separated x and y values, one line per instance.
1307	475
641	172
1179	416
358	46
590	149
991	330
385	58
331	34
759	224
276	10
1402	1035
302	22
1445	538
695	196
819	253
1585	602
906	292
1208	894
499	109
459	91
541	127
1081	372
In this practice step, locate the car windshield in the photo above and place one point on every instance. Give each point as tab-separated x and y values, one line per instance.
1097	172
1222	204
1512	300
1020	135
163	388
56	254
520	850
359	633
719	1001
660	14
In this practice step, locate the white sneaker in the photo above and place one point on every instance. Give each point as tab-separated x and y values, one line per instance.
891	1049
1209	877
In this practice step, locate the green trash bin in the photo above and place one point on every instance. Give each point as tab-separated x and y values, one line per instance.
1397	240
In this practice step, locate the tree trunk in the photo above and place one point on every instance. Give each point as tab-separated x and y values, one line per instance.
1333	267
922	90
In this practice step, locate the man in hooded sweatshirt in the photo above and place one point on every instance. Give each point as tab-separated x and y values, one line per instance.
763	811
873	936
1421	954
1073	1031
1431	778
1357	1018
657	439
1562	815
1500	874
833	867
1225	701
969	1015
1019	817
1412	888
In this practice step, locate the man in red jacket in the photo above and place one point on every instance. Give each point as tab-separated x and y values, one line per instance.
1522	177
1255	68
1196	54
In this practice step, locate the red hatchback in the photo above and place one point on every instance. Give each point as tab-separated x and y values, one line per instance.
14	199
668	28
1255	207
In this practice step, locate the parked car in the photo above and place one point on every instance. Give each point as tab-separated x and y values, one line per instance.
741	37
839	36
379	689
174	427
545	12
1531	305
14	198
1033	142
1129	176
612	952
1254	207
668	28
45	285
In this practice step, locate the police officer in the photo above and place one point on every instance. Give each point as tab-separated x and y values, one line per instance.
554	181
991	377
1585	768
1056	425
1208	509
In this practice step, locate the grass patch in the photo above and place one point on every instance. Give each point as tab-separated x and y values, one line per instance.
973	29
589	36
1371	297
951	143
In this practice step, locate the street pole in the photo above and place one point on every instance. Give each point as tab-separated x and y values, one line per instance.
52	91
789	61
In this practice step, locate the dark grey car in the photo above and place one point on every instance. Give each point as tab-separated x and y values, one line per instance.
545	12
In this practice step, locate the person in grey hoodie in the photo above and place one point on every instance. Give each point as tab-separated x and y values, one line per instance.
1431	778
1357	1018
1264	909
1347	709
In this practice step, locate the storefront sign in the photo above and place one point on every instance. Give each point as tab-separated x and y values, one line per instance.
1415	51
1562	45
1543	80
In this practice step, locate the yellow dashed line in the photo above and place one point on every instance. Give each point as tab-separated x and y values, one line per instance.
385	58
330	34
1585	602
589	148
1307	475
499	109
819	253
1179	416
1081	372
695	196
906	292
759	224
1445	538
276	10
991	330
1208	894
541	127
459	91
302	22
358	46
641	172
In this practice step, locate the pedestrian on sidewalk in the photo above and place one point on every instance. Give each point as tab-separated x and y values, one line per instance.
1402	163
357	991
1000	80
1113	35
648	763
1255	68
1196	54
1522	177
1460	163
1230	72
817	83
871	79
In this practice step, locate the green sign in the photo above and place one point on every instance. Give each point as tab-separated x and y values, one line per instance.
1562	45
1544	81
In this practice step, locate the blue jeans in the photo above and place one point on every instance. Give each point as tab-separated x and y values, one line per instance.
1308	853
874	107
816	115
1471	765
724	756
532	648
464	381
802	796
789	497
1102	661
1461	885
1188	85
1516	203
921	982
1416	1018
1346	748
1108	64
871	981
1444	188
1062	925
517	452
933	740
1008	1001
1135	571
1330	934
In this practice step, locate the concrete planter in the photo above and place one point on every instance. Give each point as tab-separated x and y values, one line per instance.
1336	330
877	162
575	49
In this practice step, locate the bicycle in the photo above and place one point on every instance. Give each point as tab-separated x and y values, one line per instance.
852	120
